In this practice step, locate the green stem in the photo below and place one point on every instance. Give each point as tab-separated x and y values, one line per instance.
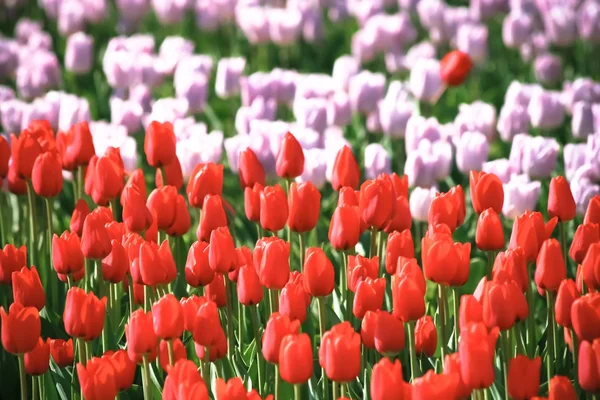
414	365
504	340
302	251
531	337
258	231
82	351
456	301
113	208
297	392
277	382
147	299
3	238
442	304
80	183
170	352
22	376
102	291
131	297
516	334
34	388
336	392
206	369
551	334
41	386
255	327
373	249
273	297
146	377
32	251
346	292
229	307
241	323
575	353
490	264
53	281
563	242
343	385
322	328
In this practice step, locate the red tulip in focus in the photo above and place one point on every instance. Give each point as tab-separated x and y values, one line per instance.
197	270
585	317
205	179
21	328
179	353
376	202
346	171
550	268
319	275
454	67
184	379
561	203
4	157
104	177
304	204
296	358
529	232
592	214
11	260
274	210
452	366
27	288
80	212
340	354
215	291
470	311
292	301
95	242
159	144
213	217
510	265
425	336
46	177
590	267
585	236
567	294
561	388
24	150
271	258
37	361
408	298
444	261
524	377
290	159
432	386
141	339
221	251
486	192
252	202
76	146
369	296
217	350
173	173
476	351
250	169
207	328
490	233
62	352
589	356
167	317
389	334
387	382
503	304
278	326
443	211
84	314
344	228
399	244
249	289
98	379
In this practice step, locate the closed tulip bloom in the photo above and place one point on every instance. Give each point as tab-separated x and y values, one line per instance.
179	353
560	200
62	352
360	267
27	288
550	268
76	146
344	228
153	265
47	176
273	266
585	235
250	169
500	302
232	390
399	244
446	262
489	235
173	175
213	216
167	317
524	377
295	358
184	378
400	218
249	290
80	212
274	209
98	379
589	376
389	334
432	386
37	361
24	150
141	339
292	301
217	350
205	179
425	80
11	260
4	156
136	215
470	311
290	159
529	232
408	299
252	202
21	328
367	329
95	242
561	388
425	336
376	202
161	202
197	270
590	266
510	265
486	192
182	222
215	291
369	296
443	210
585	317
592	213
159	144
304	203
452	366
207	325
346	171
387	382
454	67
104	177
278	327
84	314
476	352
339	353
319	275
221	251
567	294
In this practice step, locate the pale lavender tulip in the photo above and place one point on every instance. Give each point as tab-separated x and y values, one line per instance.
311	113
307	137
257	142
194	91
376	161
260	109
486	9
592	154
429	163
9	57
73	109
365	90
38	75
283	85
11	115
517	28
425	82
472	149
519	93
513	119
169	11
540	155
6	94
284	25
560	23
196	64
394	117
207	15
315	167
167	109
517	151
105	135
431	13
581	89
548	68
259	84
344	68
253	21
313	28
140	43
53	99
314	85
133	10
229	72
373	123
394	60
338	109
583	190
38	109
477	116
520	195
546	110
419	202
363	10
574	158
588	21
173	49
50	7
422	50
363	45
455	17
500	167
118	66
95	11
142	95
127	113
582	123
25	28
200	148
79	53
420	129
149	69
537	46
472	39
71	17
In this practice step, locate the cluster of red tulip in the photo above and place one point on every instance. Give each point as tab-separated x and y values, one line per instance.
182	314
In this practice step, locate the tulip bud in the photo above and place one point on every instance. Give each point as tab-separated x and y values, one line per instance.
159	144
290	159
454	67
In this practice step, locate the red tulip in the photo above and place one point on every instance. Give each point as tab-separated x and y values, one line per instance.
11	260
273	208
190	306
452	366
159	144
95	242
567	294
141	339
589	375
207	325
213	216
249	289
369	296
4	157
62	352
524	377
345	170
76	146
232	390
21	328
123	366
432	386
215	291
408	268
444	261
476	352
46	175
561	388
550	268
104	177
458	197
28	289
136	215
490	233
197	270
221	252
179	353
290	158
153	265
182	380
161	201
399	244
486	192
529	232
408	298
115	266
252	202
360	267
340	354
278	327
454	67
205	179
271	257
84	314
443	210
250	169
585	317
400	218
560	200
292	303
319	275
16	184
173	173
80	212
344	228
510	265
425	336
37	361
503	304
24	149
367	329
376	202
389	334
216	351
585	235
295	358
470	311
182	222
387	382
98	379
592	214
167	317
304	204
67	257
590	266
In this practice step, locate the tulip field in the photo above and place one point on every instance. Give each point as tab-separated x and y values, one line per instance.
299	199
